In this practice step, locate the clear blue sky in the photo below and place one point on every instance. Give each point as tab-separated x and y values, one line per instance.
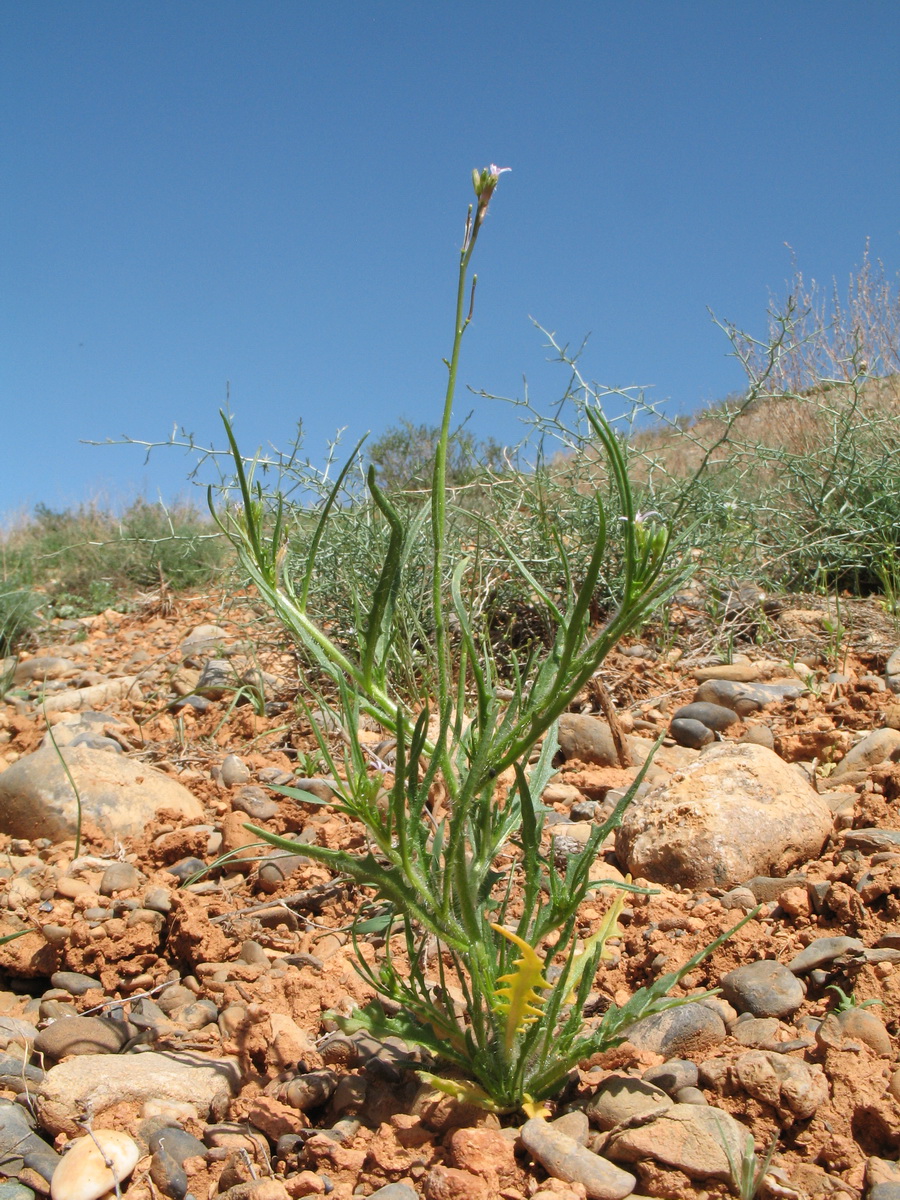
271	194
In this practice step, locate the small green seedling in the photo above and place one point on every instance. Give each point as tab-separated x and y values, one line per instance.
848	1002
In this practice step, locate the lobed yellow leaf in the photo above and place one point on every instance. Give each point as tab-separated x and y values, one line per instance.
518	999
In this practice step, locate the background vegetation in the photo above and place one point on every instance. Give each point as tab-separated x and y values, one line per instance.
792	484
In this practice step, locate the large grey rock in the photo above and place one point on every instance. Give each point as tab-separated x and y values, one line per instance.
81	1035
730	695
97	1082
738	811
713	716
690	1029
822	951
119	796
765	988
875	747
692	1138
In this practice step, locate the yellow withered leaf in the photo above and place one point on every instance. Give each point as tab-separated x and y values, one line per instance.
518	999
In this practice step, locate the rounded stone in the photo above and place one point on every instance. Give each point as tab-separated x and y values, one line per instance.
862	1025
158	899
74	983
713	716
765	989
102	1081
119	796
693	734
587	739
623	1098
758	735
234	772
120	877
83	1173
823	951
672	1075
176	1142
563	1158
690	1029
11	1190
81	1035
168	1175
738	811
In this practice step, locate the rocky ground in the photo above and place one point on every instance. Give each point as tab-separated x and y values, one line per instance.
166	1013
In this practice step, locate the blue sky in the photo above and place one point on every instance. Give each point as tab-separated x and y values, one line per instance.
270	196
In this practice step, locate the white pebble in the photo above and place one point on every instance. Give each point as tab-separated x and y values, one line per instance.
83	1173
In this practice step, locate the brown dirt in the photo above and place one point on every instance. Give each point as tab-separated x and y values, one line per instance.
447	1149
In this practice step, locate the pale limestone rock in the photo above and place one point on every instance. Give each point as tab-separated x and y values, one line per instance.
738	811
83	1173
119	796
98	1082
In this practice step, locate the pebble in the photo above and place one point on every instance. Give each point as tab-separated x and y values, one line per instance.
196	1015
394	1191
756	1033
120	877
158	899
255	803
693	734
74	983
860	1025
13	1030
186	867
791	1086
713	716
870	841
234	772
765	989
276	868
18	1141
56	935
83	1173
621	1098
10	1190
823	951
563	1158
81	1035
168	1175
311	1090
690	1029
875	747
672	1075
575	1125
587	739
204	638
16	1068
176	995
217	679
758	735
176	1142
